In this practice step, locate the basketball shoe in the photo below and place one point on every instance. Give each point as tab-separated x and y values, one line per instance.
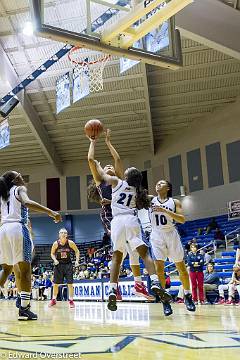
167	309
71	304
52	303
158	290
25	314
112	299
189	302
141	290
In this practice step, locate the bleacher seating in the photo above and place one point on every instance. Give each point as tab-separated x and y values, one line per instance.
43	252
191	227
223	263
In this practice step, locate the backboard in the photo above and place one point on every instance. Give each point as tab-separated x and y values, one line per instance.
141	30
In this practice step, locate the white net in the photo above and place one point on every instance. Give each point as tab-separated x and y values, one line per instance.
91	64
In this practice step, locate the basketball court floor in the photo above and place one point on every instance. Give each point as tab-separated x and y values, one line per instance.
135	331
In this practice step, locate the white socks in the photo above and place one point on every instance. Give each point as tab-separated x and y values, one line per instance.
113	286
25	298
154	277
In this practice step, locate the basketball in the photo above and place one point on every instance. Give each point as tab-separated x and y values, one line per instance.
93	128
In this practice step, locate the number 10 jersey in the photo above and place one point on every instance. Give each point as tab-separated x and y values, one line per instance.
123	199
160	220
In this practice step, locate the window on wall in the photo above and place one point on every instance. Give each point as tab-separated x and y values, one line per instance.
34	191
91	205
175	172
233	156
214	165
194	165
73	192
53	193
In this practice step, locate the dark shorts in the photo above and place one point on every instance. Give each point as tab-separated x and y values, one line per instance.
63	271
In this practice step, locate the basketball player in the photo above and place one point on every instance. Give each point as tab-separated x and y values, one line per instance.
63	267
127	197
165	240
101	191
15	239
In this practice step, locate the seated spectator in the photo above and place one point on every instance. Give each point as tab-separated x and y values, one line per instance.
213	225
195	262
35	288
207	257
11	286
76	274
219	238
47	287
232	286
211	279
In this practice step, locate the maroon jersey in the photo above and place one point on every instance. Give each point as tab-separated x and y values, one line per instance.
63	252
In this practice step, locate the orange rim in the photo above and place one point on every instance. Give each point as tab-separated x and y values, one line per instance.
75	48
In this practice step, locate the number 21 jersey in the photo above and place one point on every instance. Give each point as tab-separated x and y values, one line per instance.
160	220
123	199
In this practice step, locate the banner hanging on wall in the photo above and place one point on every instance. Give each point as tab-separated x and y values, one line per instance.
4	134
234	209
63	93
80	84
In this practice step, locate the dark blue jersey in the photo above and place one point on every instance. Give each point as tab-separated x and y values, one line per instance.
105	190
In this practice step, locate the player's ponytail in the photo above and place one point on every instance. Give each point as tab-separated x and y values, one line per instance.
6	182
92	193
134	178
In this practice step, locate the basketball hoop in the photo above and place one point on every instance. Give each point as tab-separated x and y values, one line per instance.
91	64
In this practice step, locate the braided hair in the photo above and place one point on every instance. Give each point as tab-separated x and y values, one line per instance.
134	178
6	183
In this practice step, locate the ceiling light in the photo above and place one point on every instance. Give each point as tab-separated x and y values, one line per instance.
28	29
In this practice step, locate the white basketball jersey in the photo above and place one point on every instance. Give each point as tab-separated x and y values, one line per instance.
160	220
13	210
123	199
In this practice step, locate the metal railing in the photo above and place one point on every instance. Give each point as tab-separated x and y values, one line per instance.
228	241
203	247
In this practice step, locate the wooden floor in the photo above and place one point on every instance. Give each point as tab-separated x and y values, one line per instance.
135	331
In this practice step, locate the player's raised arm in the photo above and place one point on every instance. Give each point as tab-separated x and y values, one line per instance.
33	205
118	165
112	180
91	162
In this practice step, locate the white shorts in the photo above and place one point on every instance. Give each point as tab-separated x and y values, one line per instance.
166	244
15	244
126	233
